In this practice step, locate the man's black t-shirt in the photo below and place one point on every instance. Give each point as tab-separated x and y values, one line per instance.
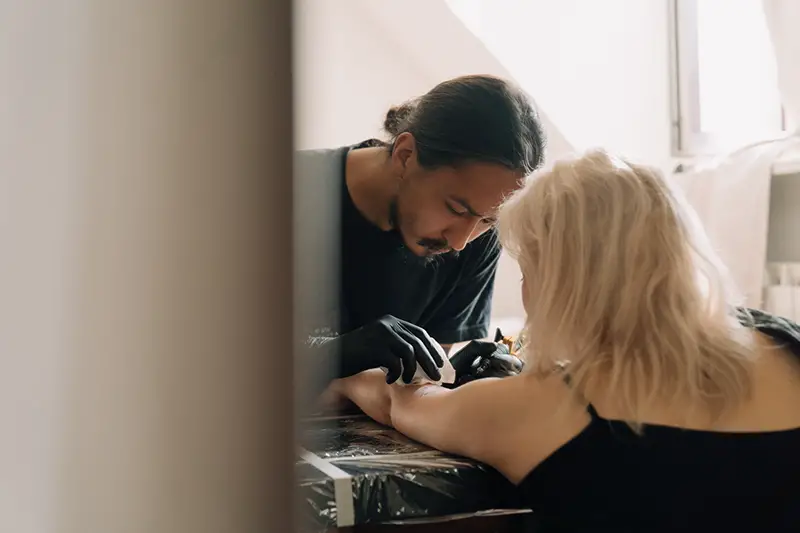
448	295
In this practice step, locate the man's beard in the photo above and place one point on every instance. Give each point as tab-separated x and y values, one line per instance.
433	247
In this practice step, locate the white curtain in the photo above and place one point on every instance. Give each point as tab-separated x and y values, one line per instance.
731	194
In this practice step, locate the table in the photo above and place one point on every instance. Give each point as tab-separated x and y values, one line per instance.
355	475
507	523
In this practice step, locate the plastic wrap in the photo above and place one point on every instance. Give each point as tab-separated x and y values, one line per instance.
355	471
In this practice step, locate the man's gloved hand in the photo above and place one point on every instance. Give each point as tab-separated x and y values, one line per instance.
484	359
393	344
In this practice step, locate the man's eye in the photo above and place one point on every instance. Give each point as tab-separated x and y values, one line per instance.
454	210
489	221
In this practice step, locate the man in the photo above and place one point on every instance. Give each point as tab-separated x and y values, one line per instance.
412	261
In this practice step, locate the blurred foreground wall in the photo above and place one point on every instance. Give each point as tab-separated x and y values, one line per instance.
145	276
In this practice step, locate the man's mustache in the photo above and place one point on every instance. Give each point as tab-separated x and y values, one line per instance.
434	245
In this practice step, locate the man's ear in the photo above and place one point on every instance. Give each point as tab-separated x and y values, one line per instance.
404	152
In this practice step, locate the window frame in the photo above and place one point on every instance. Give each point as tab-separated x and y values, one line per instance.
687	139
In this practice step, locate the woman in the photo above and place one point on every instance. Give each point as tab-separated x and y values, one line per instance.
645	403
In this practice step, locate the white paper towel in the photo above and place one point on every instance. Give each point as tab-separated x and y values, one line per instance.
420	377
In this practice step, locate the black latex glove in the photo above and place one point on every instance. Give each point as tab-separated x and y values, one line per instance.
484	359
391	343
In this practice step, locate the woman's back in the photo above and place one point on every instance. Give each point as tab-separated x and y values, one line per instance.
669	479
681	473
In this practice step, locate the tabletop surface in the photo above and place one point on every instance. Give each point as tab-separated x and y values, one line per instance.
354	471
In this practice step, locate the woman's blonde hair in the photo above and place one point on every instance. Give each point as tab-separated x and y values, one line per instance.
621	281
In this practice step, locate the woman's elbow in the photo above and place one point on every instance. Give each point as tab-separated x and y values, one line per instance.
378	408
396	408
405	413
383	412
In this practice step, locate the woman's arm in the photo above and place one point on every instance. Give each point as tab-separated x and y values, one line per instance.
369	391
463	421
508	423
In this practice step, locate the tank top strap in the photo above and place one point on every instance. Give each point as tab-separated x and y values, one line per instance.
589	407
593	412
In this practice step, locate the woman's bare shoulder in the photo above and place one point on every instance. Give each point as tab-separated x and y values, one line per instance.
528	418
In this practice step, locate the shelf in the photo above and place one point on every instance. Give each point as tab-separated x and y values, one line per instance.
786	165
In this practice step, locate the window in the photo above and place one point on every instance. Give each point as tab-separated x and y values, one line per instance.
725	88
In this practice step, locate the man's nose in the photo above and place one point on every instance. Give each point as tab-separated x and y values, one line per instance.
461	234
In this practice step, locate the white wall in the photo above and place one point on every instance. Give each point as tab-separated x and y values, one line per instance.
355	58
598	70
347	75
